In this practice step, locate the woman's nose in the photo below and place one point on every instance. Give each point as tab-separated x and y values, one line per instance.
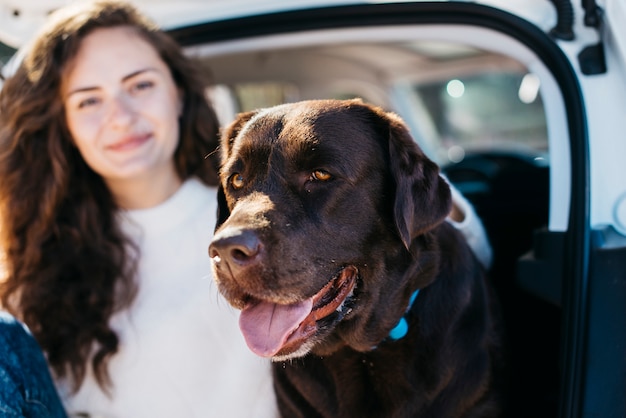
122	112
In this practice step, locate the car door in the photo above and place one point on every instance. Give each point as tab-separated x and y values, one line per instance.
560	280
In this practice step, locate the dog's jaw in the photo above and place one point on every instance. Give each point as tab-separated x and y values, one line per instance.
289	331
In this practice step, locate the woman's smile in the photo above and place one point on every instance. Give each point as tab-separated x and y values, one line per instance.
130	143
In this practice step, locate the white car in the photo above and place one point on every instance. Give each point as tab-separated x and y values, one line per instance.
521	102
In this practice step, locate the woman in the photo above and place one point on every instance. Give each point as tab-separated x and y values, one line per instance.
107	206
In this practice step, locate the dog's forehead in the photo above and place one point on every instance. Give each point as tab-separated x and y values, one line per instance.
294	129
254	142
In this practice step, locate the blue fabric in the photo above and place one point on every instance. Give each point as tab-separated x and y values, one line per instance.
26	388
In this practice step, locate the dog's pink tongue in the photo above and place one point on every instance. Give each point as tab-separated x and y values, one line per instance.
267	326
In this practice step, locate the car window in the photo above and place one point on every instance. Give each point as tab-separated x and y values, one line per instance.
6	52
457	99
494	109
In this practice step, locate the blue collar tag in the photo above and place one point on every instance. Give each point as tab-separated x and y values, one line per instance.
402	327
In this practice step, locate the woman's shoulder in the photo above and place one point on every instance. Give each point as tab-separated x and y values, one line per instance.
195	185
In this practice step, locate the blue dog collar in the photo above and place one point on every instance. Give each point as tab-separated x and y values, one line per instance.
402	327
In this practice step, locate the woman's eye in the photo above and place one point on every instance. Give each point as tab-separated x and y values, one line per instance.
320	175
90	101
236	180
142	85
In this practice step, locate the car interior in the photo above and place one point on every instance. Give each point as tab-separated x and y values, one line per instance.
479	112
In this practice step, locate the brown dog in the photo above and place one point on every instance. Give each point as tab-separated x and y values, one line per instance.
331	218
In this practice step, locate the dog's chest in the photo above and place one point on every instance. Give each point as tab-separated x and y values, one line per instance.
351	384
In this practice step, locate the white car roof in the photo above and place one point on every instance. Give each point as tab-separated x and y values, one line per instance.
20	19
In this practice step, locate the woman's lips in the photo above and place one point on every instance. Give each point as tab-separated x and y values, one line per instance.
130	142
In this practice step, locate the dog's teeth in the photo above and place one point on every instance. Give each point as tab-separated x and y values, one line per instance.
340	307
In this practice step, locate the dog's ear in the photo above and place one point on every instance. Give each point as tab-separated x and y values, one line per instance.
228	135
422	197
230	132
222	207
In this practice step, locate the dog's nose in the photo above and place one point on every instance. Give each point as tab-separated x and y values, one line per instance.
237	248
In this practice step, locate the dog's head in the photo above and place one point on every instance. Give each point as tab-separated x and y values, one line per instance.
324	213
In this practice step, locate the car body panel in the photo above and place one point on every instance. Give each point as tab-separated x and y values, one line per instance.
20	18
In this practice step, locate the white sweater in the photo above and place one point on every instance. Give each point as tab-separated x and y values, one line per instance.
181	351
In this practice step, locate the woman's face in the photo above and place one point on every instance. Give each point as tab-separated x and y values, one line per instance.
122	106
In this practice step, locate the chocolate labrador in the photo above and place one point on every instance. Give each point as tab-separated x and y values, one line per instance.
331	240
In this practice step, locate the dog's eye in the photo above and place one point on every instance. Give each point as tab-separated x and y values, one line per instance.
236	180
320	175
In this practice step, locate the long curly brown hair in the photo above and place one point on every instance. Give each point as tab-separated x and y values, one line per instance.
68	267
